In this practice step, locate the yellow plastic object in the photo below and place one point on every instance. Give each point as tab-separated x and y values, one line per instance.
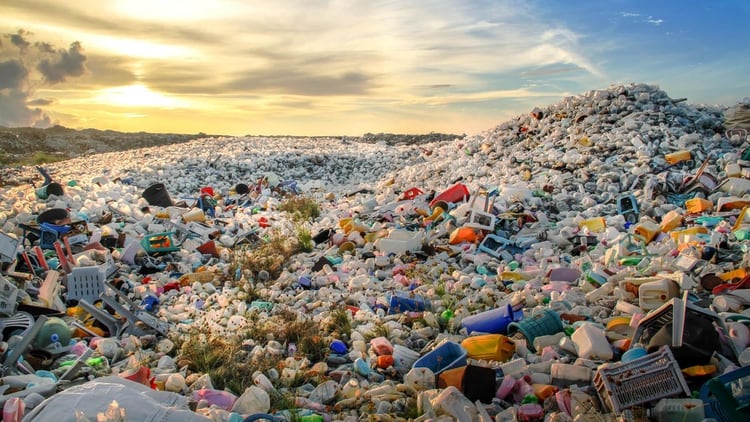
739	273
595	225
698	205
493	347
648	230
677	157
740	219
670	221
700	370
677	235
437	214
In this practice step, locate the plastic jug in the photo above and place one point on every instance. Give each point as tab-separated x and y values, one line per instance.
647	229
594	225
592	343
670	221
653	294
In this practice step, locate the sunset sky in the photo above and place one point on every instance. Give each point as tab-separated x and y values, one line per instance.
314	67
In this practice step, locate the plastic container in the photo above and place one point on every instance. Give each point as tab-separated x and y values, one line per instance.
456	193
648	230
542	323
677	157
643	380
86	283
452	377
670	221
420	378
53	188
479	383
494	321
399	241
159	243
13	409
448	355
530	412
653	294
404	357
698	205
683	410
564	375
594	225
592	343
493	347
381	346
55	330
157	195
401	303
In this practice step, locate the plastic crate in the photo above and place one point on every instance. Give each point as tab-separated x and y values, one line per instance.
86	282
643	380
8	247
8	297
727	397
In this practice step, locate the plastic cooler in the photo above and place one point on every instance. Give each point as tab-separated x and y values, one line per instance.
643	380
446	356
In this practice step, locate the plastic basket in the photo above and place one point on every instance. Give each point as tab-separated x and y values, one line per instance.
86	282
159	243
727	397
643	380
542	323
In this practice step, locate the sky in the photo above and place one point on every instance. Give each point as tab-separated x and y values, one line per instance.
349	67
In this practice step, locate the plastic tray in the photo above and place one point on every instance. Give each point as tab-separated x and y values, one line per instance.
643	380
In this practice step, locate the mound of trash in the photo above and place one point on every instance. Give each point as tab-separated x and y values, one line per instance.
584	261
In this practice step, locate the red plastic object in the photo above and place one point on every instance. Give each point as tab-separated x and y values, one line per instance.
263	222
208	190
412	193
453	194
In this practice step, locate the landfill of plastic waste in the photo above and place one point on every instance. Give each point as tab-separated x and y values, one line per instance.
585	261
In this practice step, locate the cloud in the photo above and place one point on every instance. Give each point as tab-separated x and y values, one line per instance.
68	63
18	76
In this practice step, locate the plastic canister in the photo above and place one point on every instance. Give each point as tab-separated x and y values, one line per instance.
13	409
670	221
594	225
494	347
564	375
684	410
494	321
592	343
653	294
647	229
698	205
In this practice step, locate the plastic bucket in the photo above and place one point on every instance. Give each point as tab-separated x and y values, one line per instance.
53	188
52	216
241	189
448	355
543	323
157	195
494	321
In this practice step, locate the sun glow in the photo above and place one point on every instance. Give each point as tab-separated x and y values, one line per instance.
137	96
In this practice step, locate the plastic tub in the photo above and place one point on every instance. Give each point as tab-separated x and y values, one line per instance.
448	355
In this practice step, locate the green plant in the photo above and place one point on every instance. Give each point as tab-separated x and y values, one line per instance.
304	238
269	255
341	323
301	208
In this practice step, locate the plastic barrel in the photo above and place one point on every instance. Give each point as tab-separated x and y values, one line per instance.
157	195
494	321
53	188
